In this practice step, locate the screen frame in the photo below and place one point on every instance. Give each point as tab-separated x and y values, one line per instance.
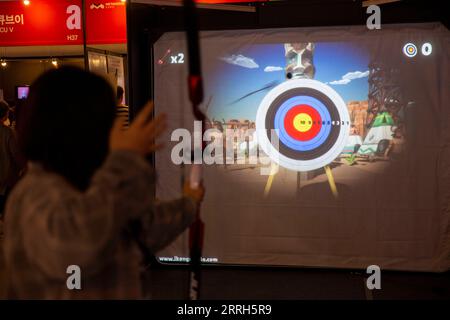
147	23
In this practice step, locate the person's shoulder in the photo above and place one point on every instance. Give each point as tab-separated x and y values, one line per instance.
38	184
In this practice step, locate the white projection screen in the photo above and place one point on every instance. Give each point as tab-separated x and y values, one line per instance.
362	122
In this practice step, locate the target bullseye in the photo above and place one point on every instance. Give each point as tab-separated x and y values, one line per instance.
302	122
310	121
299	120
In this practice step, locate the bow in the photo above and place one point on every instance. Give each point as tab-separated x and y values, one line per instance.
195	86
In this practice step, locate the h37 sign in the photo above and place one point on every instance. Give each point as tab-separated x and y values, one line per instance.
60	22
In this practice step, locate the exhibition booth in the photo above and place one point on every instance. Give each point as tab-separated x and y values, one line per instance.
38	35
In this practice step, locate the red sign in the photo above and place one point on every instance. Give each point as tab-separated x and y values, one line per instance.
60	22
49	22
106	21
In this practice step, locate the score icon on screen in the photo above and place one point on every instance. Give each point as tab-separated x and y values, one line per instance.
177	58
427	48
410	49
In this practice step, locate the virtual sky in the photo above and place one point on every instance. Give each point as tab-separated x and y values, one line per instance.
344	66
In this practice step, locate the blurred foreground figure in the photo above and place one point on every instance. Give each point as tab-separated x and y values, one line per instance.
87	180
10	161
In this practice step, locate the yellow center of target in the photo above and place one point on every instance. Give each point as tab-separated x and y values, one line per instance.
302	122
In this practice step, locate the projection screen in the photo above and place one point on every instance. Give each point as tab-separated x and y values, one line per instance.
329	146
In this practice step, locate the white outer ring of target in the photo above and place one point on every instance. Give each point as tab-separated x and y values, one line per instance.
302	165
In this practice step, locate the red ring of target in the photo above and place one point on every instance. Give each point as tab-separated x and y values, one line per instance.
306	135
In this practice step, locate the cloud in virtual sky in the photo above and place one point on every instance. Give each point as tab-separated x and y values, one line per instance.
273	69
240	60
349	76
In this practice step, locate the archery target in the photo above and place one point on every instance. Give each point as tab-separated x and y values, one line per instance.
410	50
311	124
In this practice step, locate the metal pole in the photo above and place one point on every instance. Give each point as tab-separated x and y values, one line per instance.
85	51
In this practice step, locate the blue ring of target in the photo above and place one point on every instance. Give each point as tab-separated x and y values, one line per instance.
292	143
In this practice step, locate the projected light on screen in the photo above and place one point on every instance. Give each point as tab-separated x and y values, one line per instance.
410	50
365	106
311	120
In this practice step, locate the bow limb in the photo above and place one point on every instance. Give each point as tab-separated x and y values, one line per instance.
195	86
